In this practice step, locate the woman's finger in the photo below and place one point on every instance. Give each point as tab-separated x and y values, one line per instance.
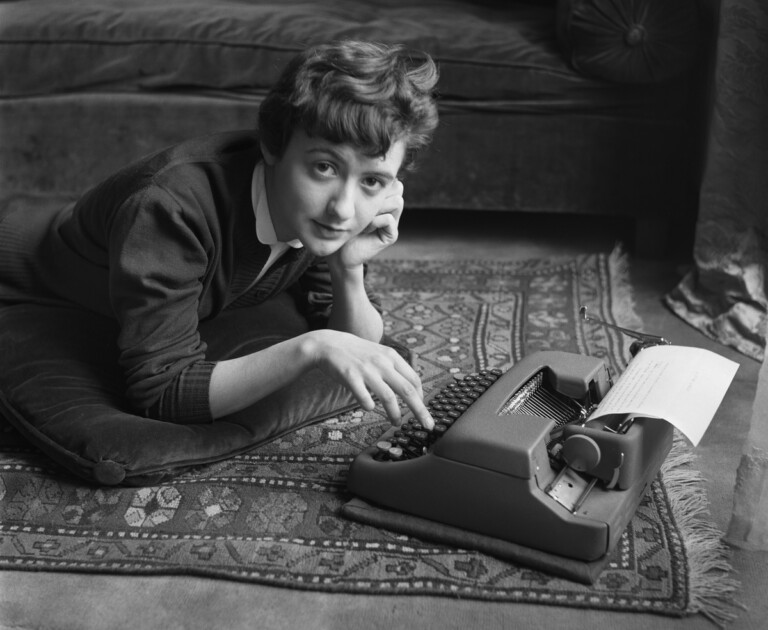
361	393
412	395
409	374
388	401
386	228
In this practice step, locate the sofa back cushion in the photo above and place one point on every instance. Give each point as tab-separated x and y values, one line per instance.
486	50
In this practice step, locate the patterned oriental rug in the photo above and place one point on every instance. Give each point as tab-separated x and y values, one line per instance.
272	516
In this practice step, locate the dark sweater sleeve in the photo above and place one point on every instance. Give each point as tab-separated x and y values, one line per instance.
159	255
315	293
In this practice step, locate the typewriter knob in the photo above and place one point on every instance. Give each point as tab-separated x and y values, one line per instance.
581	453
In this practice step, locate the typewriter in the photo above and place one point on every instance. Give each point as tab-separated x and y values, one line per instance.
516	457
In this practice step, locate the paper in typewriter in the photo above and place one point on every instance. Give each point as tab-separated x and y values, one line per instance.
681	385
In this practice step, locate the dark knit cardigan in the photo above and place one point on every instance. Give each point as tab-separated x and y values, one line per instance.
160	246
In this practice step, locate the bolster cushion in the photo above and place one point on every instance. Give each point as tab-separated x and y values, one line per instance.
630	41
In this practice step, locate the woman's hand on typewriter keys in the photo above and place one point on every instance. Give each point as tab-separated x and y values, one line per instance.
370	369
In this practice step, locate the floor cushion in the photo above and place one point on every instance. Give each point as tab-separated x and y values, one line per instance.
61	388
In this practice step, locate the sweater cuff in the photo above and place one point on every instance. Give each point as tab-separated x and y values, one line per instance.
186	399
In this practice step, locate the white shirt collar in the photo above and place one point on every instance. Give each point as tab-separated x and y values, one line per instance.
265	229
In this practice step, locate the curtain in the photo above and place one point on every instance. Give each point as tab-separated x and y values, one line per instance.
725	293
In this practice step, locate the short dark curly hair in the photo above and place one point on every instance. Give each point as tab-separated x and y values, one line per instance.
366	94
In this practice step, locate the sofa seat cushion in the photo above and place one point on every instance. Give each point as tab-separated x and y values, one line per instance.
488	51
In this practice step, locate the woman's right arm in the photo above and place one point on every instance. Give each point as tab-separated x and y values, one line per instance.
364	367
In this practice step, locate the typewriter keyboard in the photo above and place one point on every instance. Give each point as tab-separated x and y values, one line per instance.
412	440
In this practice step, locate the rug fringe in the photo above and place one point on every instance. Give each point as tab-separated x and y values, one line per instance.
623	299
711	586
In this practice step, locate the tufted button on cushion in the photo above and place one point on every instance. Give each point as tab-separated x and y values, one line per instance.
108	473
635	35
629	41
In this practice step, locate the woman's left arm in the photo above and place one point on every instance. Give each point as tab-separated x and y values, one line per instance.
352	310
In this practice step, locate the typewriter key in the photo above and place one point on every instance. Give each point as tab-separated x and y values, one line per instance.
396	452
412	451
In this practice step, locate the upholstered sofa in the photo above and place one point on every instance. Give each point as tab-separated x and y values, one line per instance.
570	106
